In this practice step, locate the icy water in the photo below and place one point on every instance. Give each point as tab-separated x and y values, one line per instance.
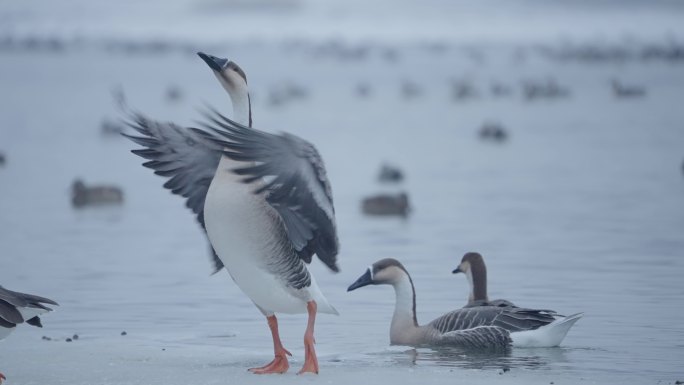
580	210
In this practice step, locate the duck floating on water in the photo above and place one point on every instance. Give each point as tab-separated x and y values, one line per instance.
390	174
545	328
386	205
82	195
494	132
264	201
624	91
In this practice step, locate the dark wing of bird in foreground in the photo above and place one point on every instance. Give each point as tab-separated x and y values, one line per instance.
10	301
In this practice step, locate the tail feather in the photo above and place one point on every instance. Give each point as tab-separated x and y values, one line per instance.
548	335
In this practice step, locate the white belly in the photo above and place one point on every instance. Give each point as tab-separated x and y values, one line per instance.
238	224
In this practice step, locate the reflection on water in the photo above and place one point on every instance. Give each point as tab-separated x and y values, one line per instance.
448	357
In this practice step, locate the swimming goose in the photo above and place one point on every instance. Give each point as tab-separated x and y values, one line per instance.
472	265
543	328
460	328
264	201
17	308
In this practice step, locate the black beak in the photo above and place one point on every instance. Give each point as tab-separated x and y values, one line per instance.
215	63
457	270
363	280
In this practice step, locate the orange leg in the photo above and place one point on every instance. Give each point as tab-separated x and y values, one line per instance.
310	360
279	363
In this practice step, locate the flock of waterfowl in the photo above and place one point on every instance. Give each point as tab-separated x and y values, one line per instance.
666	50
266	207
462	90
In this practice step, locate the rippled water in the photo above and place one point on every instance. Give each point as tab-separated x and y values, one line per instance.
579	211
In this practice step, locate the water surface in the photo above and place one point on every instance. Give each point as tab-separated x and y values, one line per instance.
579	211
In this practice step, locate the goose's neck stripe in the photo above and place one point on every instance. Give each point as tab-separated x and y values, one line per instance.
249	104
413	309
478	282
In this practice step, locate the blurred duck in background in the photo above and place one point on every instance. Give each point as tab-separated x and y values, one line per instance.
624	91
82	195
390	174
386	205
494	132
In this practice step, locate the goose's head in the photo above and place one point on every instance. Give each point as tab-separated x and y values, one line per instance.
386	271
234	80
473	266
471	263
231	76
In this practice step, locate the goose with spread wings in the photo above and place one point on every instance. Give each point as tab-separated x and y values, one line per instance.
263	199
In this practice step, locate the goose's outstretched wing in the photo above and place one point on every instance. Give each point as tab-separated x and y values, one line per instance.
511	319
297	187
188	158
480	337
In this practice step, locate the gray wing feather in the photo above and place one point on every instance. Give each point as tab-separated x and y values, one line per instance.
187	157
480	337
298	189
9	313
11	300
510	318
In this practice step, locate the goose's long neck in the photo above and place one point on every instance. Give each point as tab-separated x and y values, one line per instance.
242	113
404	320
477	279
242	108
